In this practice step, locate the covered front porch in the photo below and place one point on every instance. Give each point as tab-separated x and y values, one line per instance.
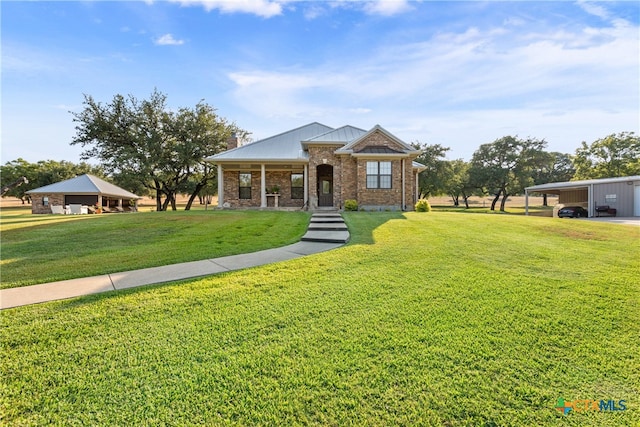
263	185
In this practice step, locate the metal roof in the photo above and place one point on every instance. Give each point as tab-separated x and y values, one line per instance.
418	166
290	146
342	135
378	150
285	146
580	184
84	184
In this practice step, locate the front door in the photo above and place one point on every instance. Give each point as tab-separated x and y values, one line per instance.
325	185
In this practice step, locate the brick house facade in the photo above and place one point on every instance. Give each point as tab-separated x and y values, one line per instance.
316	166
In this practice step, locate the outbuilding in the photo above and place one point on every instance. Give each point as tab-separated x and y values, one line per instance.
84	190
618	196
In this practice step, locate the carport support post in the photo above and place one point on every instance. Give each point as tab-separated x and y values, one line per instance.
526	202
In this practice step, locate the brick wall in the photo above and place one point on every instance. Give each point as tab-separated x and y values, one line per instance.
280	178
38	207
316	156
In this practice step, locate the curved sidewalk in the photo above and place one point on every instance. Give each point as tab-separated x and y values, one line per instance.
320	241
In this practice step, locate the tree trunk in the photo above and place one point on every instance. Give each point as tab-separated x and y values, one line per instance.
158	195
466	200
495	200
195	194
456	200
505	196
544	200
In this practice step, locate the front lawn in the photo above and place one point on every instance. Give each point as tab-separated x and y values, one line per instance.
423	319
46	248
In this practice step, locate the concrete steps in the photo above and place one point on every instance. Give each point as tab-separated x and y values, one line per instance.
326	227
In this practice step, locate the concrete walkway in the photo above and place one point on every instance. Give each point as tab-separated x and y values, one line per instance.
326	231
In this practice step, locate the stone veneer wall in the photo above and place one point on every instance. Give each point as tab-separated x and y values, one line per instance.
316	156
37	206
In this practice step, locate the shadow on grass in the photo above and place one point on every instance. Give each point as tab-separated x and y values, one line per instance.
362	224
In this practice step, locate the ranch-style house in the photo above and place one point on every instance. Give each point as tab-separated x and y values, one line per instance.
319	167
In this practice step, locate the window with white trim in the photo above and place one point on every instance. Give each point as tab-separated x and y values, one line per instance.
244	186
379	174
297	186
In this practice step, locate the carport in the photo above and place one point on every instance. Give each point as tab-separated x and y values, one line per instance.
620	193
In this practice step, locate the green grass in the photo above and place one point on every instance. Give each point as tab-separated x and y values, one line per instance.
423	319
45	248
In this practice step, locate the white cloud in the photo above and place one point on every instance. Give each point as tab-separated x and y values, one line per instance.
387	7
472	87
168	40
263	8
594	9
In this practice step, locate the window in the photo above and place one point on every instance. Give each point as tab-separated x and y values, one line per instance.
297	186
244	185
45	201
378	174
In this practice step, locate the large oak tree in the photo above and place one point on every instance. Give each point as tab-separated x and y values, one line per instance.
506	166
612	156
143	143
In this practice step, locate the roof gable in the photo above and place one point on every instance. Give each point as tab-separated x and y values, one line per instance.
362	142
84	184
342	135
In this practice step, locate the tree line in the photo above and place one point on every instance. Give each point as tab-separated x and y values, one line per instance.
509	164
149	149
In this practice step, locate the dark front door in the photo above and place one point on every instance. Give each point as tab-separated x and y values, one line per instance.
325	185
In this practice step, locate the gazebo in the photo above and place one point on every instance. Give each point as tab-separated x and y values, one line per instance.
84	190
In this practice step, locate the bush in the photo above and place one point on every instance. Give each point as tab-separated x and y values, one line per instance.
350	205
423	205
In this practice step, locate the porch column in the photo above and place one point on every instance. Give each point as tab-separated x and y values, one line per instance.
305	179
120	203
417	195
403	205
263	187
220	186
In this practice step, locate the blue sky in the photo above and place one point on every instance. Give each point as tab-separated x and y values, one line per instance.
454	73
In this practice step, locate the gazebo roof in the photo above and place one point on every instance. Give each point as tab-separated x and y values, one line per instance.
85	184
